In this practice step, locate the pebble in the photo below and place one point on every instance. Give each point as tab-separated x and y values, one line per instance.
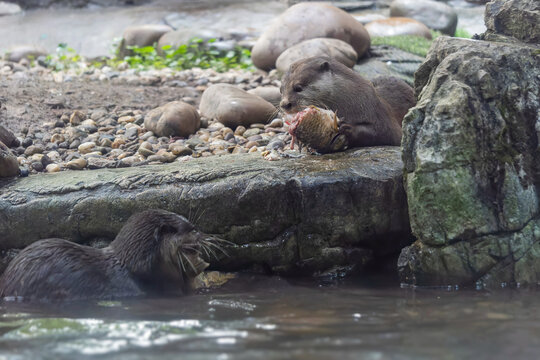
76	164
77	117
86	147
52	168
34	149
105	137
251	132
180	150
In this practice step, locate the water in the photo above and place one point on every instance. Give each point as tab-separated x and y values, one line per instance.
272	318
77	27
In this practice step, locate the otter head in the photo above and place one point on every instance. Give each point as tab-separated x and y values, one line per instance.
308	82
161	249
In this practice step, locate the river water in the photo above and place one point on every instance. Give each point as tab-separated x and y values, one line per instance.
257	317
92	31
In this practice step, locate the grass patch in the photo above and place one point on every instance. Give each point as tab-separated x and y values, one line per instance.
417	45
462	33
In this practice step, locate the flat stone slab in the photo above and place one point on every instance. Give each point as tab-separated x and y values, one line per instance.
305	215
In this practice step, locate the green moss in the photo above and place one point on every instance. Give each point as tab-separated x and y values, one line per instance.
462	33
417	45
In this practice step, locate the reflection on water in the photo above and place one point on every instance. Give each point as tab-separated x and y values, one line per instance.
270	318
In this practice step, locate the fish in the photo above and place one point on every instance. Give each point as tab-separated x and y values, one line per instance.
318	129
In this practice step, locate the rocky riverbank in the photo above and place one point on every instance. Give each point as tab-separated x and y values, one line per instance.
87	122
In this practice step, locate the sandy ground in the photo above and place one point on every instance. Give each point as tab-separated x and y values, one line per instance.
31	102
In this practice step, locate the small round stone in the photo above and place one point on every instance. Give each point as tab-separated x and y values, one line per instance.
52	168
76	164
239	130
86	147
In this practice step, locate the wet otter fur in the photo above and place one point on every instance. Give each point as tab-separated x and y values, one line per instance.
369	113
156	251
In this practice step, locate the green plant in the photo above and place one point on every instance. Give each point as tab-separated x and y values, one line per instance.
193	54
64	58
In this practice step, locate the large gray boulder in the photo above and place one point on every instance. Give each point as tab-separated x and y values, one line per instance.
9	9
517	18
141	36
317	214
19	52
472	165
434	14
306	21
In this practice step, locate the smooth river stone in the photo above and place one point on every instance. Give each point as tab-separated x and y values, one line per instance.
334	48
234	107
268	93
306	21
176	118
397	26
141	35
434	14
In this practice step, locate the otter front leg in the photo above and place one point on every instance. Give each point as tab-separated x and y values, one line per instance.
360	134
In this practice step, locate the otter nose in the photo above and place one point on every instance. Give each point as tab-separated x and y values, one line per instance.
285	105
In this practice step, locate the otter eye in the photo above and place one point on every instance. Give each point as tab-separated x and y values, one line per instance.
297	88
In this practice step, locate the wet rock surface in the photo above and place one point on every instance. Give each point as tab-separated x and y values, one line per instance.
387	60
311	215
472	165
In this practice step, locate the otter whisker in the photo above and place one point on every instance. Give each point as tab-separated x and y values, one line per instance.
218	240
179	256
209	243
203	247
191	264
207	248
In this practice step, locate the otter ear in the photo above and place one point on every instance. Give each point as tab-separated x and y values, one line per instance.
325	66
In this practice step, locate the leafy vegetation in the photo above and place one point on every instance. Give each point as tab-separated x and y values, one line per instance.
65	58
194	54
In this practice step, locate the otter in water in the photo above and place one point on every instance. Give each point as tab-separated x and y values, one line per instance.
369	113
155	252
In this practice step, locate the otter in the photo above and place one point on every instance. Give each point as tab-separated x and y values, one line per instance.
155	252
369	113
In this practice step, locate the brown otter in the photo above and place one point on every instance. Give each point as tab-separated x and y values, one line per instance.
156	251
369	113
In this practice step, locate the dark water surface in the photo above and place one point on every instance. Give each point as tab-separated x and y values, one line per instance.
272	318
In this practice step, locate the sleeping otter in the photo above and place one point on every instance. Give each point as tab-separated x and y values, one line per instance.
369	113
156	251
